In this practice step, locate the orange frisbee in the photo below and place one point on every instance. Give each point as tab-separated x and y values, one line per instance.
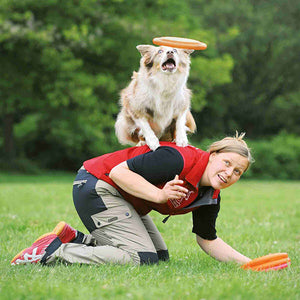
275	261
273	265
177	42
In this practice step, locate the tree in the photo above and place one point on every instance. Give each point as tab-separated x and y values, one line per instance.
263	39
65	62
47	77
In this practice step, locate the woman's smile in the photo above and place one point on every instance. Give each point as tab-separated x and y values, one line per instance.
222	178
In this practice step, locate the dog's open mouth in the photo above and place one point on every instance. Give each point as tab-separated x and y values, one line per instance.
169	65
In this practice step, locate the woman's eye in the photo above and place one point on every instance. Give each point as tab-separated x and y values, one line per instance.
160	51
227	163
175	50
237	172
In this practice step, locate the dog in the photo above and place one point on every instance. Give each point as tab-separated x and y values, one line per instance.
156	104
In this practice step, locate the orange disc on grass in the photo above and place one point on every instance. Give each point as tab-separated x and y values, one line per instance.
273	265
273	261
177	42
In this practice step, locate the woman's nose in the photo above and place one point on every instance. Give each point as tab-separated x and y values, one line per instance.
229	172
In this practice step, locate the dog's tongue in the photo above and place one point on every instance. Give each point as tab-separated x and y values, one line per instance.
170	65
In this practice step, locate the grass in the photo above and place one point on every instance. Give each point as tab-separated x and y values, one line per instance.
256	218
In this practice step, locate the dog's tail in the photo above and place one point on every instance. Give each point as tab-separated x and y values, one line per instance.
190	123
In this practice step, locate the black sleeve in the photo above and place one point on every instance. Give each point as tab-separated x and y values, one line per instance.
159	166
204	221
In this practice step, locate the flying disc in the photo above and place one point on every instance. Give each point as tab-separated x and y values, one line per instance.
275	261
177	42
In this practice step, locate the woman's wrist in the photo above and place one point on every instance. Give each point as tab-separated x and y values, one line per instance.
159	196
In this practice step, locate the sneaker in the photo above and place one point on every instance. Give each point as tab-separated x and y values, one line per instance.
39	251
65	232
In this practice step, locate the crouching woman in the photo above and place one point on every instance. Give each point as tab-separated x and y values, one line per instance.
114	193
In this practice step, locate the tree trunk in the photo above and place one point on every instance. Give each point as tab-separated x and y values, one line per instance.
9	148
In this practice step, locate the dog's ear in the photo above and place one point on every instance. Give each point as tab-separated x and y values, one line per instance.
143	49
188	51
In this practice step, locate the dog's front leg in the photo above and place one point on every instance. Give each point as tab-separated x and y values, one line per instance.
181	137
151	139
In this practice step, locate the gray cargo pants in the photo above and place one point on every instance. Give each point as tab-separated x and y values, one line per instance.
122	235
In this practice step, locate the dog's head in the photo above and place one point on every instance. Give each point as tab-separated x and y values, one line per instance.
165	59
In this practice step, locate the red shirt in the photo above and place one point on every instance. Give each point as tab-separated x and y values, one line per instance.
194	163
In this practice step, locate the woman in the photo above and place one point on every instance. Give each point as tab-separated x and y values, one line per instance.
114	193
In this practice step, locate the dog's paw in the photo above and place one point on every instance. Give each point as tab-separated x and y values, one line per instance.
141	143
153	143
182	142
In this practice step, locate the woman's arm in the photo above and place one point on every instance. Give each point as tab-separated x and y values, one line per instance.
136	185
221	251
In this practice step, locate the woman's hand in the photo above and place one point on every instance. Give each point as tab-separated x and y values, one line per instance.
172	190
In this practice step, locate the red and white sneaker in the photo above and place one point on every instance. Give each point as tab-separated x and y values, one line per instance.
39	251
65	232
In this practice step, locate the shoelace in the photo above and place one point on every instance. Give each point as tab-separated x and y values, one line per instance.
30	258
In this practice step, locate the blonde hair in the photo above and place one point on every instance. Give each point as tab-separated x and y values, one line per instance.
233	144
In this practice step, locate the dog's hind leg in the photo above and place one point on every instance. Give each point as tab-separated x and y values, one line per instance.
125	130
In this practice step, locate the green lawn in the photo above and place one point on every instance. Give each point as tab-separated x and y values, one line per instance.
256	218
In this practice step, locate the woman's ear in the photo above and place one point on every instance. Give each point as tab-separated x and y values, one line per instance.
212	156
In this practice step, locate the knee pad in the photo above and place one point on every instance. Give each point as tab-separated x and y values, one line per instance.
163	255
148	258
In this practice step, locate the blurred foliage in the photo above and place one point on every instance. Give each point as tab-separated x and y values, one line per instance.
282	162
63	64
263	40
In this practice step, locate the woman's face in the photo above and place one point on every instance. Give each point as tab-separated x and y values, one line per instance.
224	169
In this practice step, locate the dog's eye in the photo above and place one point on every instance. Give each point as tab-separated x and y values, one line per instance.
160	51
175	50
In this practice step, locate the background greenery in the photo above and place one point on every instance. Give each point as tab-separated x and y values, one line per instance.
63	64
255	219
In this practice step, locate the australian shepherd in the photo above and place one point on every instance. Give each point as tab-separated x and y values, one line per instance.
156	103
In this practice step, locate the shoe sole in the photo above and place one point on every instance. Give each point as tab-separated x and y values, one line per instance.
59	228
20	253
